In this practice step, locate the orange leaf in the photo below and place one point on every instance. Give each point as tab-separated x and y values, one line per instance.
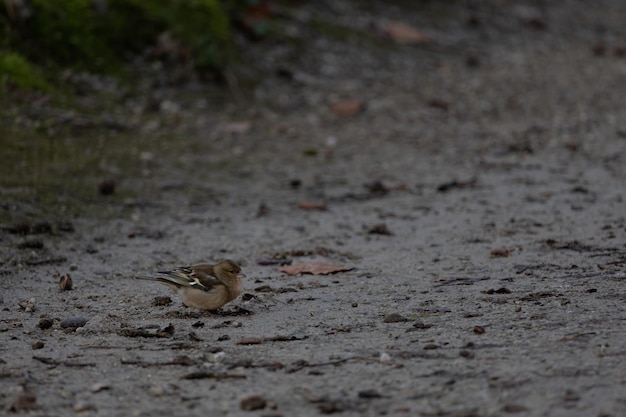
311	205
315	268
348	108
405	34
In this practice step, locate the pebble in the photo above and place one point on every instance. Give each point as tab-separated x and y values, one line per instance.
45	323
73	322
395	318
369	393
82	406
254	402
28	305
100	386
106	186
384	358
162	301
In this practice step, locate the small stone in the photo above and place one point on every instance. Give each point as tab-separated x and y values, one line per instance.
466	354
100	386
479	329
384	358
162	301
395	318
38	345
28	305
65	282
380	229
45	323
73	322
369	393
106	186
254	402
82	406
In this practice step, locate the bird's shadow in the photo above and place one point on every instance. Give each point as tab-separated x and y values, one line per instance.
195	314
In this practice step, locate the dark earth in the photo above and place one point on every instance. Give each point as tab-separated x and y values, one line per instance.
470	188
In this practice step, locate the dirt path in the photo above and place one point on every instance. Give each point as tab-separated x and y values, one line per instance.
479	199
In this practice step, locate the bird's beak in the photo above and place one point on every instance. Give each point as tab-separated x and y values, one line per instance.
241	276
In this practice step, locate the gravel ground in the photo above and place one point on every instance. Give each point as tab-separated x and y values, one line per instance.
477	198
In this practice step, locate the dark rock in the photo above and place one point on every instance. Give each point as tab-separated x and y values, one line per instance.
254	402
73	322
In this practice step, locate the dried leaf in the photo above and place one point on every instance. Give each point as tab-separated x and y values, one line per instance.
348	108
65	283
500	253
315	268
404	34
311	205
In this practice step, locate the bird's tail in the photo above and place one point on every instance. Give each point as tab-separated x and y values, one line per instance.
145	277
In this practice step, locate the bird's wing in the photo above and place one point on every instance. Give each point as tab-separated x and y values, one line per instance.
187	277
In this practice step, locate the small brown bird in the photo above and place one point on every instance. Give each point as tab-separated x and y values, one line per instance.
204	286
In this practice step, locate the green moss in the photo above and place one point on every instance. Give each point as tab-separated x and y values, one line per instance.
16	70
76	34
65	33
202	26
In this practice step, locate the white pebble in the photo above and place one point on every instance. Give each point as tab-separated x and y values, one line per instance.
384	358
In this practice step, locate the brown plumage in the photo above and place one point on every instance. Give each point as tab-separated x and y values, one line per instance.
204	286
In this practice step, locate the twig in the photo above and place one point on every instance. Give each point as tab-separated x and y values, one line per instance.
211	375
181	360
50	361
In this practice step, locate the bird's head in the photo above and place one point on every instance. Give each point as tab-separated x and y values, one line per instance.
228	270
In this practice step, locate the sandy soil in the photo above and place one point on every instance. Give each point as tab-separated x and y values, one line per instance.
479	199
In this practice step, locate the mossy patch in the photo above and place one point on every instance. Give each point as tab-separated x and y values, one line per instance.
15	70
102	36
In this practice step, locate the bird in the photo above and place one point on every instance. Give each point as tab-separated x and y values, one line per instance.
203	286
